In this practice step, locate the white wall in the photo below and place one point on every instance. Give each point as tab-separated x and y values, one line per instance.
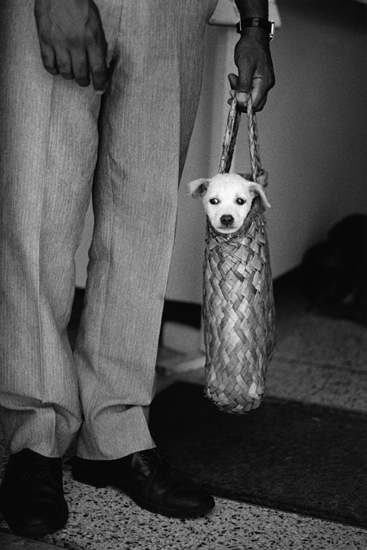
312	133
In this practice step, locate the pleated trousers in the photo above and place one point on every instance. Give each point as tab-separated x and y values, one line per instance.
60	144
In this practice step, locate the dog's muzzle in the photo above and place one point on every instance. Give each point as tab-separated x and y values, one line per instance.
227	220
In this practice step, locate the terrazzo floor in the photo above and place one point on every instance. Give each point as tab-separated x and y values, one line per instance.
317	360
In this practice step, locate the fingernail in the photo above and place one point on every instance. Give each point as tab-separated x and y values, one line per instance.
242	97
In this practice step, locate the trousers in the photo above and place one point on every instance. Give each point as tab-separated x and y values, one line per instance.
60	145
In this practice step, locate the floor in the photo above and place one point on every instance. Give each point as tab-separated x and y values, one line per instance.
318	360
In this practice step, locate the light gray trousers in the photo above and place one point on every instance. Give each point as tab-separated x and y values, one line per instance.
60	143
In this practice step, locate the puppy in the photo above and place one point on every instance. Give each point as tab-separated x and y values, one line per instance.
227	199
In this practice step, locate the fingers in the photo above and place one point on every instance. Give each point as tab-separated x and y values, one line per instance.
259	93
85	65
79	65
245	86
96	47
72	41
48	58
64	64
255	72
233	80
98	66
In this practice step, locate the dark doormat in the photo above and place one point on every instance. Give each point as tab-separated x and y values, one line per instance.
286	455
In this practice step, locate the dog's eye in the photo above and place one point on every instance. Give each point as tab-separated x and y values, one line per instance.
214	201
240	201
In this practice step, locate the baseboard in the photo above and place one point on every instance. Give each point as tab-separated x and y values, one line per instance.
186	313
189	313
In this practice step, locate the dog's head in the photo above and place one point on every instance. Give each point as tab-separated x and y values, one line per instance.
227	199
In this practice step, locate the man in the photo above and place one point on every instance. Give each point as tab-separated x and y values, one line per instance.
111	115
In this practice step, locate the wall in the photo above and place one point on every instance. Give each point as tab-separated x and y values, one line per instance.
313	136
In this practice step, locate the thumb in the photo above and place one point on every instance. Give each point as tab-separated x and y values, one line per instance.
242	89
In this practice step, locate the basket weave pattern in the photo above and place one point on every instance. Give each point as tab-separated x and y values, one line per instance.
238	305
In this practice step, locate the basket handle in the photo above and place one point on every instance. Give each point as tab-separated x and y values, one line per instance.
230	135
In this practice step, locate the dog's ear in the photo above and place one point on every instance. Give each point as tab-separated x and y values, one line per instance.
198	188
257	189
261	178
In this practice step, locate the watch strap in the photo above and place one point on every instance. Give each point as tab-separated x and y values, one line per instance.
258	22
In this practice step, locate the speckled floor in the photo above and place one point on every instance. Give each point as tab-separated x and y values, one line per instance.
319	360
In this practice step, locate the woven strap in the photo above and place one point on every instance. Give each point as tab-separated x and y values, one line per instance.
230	135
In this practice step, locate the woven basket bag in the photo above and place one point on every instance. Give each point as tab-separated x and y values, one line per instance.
238	305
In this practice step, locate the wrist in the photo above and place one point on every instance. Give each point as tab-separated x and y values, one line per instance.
253	8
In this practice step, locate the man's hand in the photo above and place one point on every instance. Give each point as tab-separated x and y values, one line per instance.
255	68
72	40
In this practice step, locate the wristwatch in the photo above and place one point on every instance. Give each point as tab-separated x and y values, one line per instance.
257	22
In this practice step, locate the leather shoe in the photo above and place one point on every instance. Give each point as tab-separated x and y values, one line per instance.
149	480
31	495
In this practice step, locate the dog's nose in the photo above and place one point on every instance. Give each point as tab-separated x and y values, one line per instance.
227	219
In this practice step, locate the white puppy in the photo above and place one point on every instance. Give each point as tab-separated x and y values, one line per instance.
227	199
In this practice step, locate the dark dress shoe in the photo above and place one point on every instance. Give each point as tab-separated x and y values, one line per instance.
148	479
31	495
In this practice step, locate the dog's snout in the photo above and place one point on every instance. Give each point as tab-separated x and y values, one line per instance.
227	219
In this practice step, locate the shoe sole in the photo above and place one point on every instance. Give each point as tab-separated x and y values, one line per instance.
168	512
36	528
